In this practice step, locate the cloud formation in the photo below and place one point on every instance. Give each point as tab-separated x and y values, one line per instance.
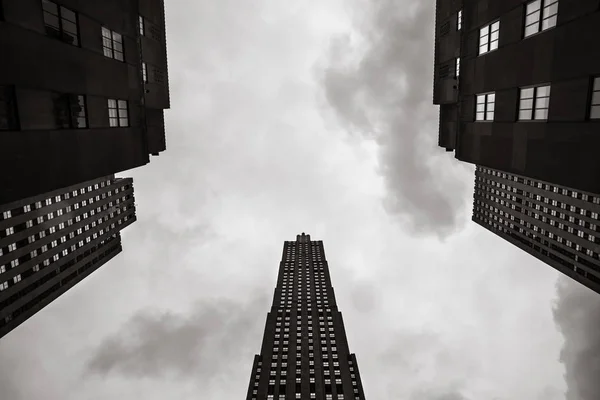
157	344
385	93
577	315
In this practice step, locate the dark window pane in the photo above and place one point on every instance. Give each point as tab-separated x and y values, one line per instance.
70	38
51	20
67	14
8	109
69	27
61	111
50	7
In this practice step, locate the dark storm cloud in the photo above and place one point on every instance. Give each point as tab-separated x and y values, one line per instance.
202	344
577	314
388	95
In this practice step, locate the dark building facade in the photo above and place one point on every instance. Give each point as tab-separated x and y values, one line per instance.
83	86
305	353
50	242
518	84
558	225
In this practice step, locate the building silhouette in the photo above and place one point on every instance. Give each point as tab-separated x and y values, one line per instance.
304	352
83	85
519	92
518	85
48	243
556	224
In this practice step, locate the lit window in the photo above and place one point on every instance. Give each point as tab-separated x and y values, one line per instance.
459	22
118	115
112	44
533	23
488	37
144	72
141	24
485	107
533	103
457	66
60	22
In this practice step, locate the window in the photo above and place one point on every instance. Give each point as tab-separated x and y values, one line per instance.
485	107
112	44
533	103
594	107
8	109
457	67
533	23
488	37
118	114
459	23
60	22
144	72
69	111
141	24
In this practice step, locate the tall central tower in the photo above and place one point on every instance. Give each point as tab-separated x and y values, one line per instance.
304	352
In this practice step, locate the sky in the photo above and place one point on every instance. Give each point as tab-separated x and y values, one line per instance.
311	117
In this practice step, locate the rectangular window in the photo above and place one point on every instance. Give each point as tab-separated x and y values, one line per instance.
533	103
488	37
69	111
112	44
459	22
144	72
118	113
533	22
8	109
457	67
594	106
485	107
61	22
141	24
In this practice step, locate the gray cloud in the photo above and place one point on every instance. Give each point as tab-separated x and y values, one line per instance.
450	395
156	344
577	314
387	95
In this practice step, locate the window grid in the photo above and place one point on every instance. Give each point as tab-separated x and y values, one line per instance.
118	113
533	22
534	103
484	107
595	100
488	37
112	44
60	22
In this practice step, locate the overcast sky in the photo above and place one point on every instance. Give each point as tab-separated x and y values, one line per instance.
314	117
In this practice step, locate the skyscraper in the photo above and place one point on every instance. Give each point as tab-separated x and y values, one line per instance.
518	84
305	352
83	85
50	242
558	225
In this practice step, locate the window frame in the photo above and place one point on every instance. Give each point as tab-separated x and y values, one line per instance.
539	22
486	104
108	44
534	105
61	33
120	111
594	89
69	101
489	40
